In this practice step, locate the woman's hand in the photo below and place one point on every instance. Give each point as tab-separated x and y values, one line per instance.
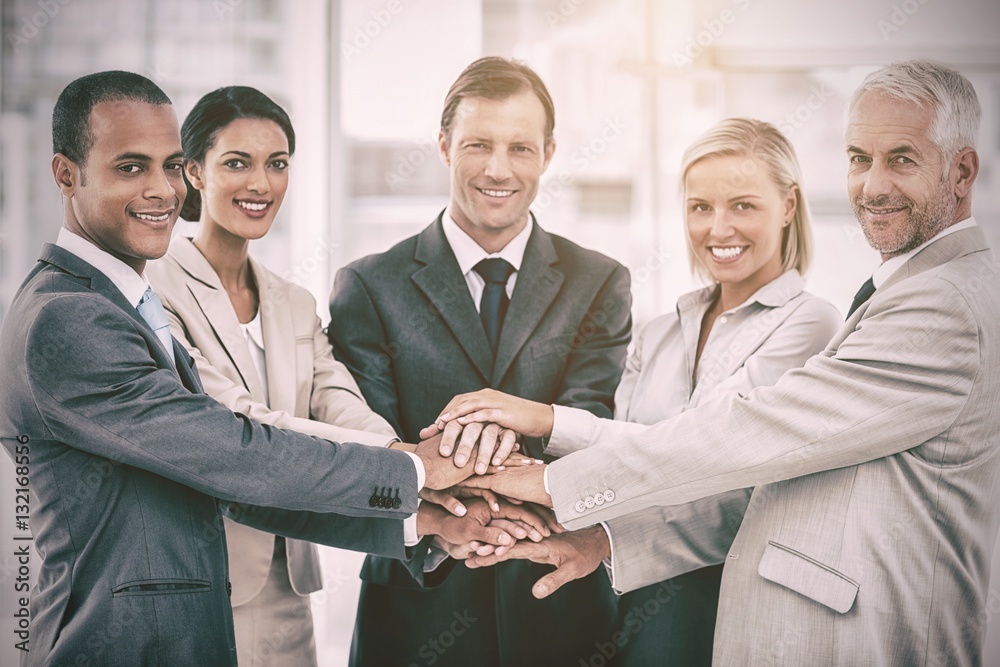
492	407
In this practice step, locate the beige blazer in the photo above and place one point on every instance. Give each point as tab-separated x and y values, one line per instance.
310	391
877	465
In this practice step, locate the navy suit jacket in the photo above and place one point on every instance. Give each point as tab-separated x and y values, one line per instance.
131	467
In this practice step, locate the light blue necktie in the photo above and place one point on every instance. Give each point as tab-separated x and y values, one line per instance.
156	317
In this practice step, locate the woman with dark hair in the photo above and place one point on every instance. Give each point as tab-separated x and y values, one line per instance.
258	344
261	351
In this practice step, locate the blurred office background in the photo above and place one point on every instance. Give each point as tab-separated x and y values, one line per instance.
634	82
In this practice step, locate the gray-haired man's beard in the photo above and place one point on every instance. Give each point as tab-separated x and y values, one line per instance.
923	223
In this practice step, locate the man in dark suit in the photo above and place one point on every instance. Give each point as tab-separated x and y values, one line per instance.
553	323
129	465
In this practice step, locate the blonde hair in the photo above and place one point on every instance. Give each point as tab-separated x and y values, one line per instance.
763	142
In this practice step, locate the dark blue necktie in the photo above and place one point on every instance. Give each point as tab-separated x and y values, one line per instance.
863	295
493	306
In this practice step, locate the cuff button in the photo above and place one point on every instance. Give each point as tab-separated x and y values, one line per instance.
580	507
609	496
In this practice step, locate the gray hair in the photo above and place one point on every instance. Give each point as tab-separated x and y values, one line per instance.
956	107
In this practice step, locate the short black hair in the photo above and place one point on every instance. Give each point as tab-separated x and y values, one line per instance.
71	133
211	115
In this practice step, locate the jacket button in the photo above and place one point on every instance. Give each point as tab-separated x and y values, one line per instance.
373	501
609	496
598	498
580	507
229	588
589	501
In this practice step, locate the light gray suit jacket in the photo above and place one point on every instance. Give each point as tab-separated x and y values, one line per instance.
309	390
868	538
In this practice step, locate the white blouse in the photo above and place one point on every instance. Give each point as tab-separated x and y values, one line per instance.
751	345
253	333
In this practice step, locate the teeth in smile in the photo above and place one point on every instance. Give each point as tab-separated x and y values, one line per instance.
883	211
497	193
727	253
250	206
152	218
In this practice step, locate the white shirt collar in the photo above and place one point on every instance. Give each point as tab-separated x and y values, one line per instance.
891	265
469	253
124	277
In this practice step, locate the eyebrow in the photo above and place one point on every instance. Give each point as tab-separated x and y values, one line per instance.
898	150
141	157
248	156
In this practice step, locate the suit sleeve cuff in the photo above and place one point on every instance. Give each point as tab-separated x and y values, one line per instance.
410	537
572	430
609	562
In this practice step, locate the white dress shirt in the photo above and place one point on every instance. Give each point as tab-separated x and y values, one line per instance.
131	284
469	253
891	265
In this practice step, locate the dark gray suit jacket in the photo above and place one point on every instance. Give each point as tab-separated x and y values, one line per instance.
131	467
405	324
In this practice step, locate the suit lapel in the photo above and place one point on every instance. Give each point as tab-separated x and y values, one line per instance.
943	250
537	286
279	339
218	311
442	282
100	283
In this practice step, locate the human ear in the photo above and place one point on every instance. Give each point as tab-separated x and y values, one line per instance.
195	174
791	204
66	173
443	148
966	165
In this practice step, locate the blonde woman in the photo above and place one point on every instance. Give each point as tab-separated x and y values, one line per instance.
748	235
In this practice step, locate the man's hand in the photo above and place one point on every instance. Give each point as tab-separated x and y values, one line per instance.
440	472
488	405
575	554
495	443
525	482
485	529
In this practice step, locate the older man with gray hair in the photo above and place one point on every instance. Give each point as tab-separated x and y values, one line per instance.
867	540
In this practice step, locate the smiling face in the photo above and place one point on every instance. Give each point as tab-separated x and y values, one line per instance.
126	197
898	179
244	177
736	216
496	151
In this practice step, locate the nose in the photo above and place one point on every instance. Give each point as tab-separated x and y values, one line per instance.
498	166
722	226
877	181
160	185
257	180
